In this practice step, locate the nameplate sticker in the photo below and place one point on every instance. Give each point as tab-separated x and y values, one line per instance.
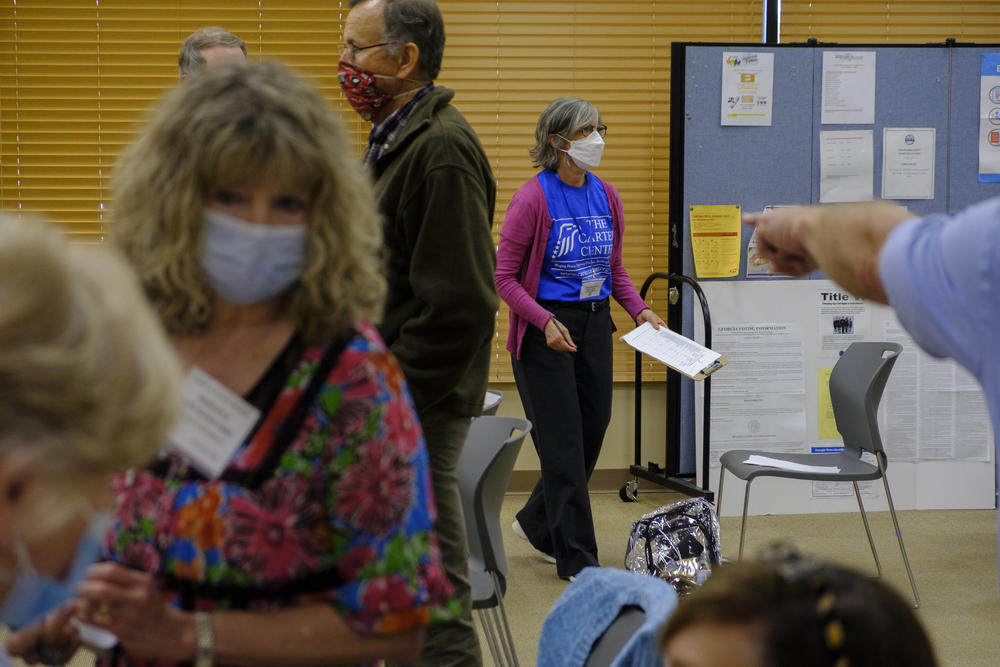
214	423
591	288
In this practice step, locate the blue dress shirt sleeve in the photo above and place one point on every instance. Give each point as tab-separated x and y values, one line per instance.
941	274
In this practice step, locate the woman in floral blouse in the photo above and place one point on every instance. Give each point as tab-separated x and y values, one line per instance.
256	238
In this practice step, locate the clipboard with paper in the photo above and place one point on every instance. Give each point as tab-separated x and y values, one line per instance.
676	351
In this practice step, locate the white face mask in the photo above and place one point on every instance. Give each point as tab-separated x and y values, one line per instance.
586	152
247	263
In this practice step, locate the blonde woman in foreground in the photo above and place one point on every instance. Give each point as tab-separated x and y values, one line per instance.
88	387
256	237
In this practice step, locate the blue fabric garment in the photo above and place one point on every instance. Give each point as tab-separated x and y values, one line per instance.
589	605
941	274
580	241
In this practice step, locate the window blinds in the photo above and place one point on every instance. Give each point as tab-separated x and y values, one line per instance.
76	77
871	22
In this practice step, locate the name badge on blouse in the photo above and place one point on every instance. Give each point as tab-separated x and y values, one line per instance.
591	288
214	422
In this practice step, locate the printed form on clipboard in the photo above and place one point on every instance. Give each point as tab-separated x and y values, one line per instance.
677	351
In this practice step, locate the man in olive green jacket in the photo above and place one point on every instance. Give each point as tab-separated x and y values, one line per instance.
436	193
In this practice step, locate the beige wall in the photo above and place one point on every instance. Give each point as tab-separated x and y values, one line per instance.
619	441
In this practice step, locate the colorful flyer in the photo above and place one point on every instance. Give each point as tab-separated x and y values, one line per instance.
989	119
759	266
747	84
716	240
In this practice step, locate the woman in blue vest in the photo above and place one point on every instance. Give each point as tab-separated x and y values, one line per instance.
559	261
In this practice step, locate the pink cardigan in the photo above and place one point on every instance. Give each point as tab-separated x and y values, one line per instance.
523	238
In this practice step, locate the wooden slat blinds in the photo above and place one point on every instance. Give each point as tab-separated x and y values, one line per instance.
76	77
507	60
907	21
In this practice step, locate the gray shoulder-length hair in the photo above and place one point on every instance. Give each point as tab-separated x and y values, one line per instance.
564	116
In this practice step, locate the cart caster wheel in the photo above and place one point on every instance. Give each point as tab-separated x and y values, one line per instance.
629	492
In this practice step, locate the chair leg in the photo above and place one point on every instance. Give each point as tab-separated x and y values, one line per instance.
743	522
868	530
486	621
506	637
899	533
718	496
503	653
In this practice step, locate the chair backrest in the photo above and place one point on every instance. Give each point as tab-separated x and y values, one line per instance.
587	619
610	644
856	385
484	469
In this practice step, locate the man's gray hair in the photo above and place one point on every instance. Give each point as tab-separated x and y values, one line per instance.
191	59
417	21
565	116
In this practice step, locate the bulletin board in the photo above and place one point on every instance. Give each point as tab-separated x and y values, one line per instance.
915	86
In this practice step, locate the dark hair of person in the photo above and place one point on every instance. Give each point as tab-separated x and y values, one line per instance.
809	614
417	21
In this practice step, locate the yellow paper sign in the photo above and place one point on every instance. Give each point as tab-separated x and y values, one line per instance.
715	240
826	422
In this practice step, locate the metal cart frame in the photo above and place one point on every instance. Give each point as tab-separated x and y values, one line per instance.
669	475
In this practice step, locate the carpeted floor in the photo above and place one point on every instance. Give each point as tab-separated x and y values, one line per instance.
953	555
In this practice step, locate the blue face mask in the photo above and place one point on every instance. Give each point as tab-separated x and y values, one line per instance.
33	595
248	263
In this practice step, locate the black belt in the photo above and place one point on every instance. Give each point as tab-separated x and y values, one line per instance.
592	306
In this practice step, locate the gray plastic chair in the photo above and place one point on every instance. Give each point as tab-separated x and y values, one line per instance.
484	469
856	385
610	644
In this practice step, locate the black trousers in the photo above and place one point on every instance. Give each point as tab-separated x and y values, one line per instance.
567	397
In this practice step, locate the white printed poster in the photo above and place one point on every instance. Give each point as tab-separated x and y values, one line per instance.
747	85
848	88
867	489
846	170
917	396
843	319
932	409
908	162
758	402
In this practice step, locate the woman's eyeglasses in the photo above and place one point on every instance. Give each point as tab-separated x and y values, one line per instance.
589	129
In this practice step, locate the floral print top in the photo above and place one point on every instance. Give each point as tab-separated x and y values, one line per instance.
329	499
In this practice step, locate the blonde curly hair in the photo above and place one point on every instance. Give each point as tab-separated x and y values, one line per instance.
89	384
239	126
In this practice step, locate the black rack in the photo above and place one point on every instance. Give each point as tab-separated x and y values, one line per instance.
669	475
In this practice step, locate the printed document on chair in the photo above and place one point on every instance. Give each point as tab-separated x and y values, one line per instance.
758	460
677	351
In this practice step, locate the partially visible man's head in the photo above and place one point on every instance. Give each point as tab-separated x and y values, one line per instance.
209	46
416	21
